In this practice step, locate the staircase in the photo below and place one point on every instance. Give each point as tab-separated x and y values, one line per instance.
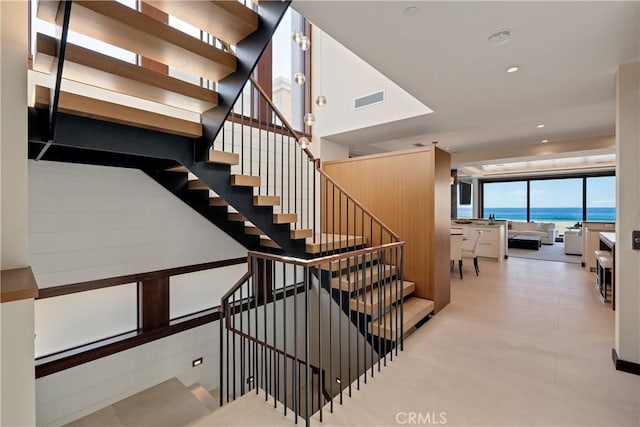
224	149
168	403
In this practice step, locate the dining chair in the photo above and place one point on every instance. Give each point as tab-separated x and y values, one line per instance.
470	250
456	251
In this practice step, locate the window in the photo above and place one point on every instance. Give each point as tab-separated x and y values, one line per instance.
601	198
278	65
556	200
506	200
563	201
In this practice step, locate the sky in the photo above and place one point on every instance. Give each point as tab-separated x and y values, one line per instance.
552	193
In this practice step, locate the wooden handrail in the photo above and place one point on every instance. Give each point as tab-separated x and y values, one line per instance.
329	258
284	121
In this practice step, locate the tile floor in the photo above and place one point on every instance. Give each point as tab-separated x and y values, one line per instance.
527	343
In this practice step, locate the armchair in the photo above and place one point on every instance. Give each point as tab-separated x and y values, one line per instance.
573	242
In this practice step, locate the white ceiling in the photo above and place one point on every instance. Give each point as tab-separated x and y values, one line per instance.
568	53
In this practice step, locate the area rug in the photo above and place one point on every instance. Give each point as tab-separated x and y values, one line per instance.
553	252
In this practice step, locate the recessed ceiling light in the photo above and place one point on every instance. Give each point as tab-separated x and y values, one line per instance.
544	141
513	69
499	37
410	11
540	126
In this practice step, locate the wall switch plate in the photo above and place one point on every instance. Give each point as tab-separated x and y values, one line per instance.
635	243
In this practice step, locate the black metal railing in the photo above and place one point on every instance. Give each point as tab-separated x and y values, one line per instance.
285	336
269	147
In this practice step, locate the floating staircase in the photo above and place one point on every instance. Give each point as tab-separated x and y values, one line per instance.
267	190
370	293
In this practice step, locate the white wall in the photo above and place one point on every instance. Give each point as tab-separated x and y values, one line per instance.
73	393
13	134
91	222
16	364
71	320
201	290
330	150
17	406
342	76
627	337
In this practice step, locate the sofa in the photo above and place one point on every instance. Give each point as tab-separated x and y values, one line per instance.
546	230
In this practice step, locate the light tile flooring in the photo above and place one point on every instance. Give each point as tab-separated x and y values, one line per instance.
527	343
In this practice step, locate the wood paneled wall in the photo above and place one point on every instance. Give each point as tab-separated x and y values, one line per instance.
410	192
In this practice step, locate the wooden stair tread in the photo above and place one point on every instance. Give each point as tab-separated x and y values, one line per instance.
102	110
414	309
230	21
217	201
349	262
253	230
196	184
267	242
354	281
223	158
301	233
266	200
245	181
285	218
119	25
368	300
235	216
179	169
96	69
327	242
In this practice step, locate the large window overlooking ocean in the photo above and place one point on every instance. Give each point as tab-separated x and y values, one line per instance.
563	201
601	198
506	200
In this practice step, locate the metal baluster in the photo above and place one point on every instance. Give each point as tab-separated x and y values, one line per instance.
282	173
289	171
242	344
264	324
401	302
331	378
363	282
234	359
274	384
320	346
306	343
256	283
284	331
242	115
340	328
296	385
221	381
259	119
251	132
314	206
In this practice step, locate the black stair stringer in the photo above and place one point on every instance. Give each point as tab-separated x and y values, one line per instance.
177	183
218	178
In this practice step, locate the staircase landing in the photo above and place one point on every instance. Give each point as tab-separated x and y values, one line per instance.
169	404
248	410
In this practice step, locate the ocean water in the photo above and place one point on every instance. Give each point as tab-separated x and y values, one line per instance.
552	214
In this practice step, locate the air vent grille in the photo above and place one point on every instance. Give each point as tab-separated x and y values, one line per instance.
368	100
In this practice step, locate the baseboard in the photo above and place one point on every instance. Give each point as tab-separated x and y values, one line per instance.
623	365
